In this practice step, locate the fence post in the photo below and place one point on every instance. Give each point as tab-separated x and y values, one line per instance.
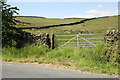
52	41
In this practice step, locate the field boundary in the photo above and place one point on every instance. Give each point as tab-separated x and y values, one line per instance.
45	27
58	25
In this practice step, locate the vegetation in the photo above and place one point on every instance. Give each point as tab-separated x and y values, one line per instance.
8	21
10	35
98	25
100	59
38	21
84	59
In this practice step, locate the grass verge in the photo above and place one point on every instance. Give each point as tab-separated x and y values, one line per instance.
84	59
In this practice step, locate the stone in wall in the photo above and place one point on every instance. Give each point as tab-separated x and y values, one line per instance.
112	36
42	39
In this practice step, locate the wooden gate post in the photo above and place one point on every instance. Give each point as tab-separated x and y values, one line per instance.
52	41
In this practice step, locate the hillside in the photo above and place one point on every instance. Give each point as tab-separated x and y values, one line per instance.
98	25
26	21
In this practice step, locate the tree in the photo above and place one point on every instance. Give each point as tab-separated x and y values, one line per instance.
11	36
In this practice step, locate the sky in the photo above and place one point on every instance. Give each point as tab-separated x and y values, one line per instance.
67	9
62	0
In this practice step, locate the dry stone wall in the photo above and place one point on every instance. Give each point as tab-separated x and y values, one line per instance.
112	36
111	51
38	39
42	39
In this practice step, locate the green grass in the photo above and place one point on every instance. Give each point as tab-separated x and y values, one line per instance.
84	59
99	25
36	21
29	51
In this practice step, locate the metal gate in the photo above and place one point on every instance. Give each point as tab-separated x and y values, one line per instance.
79	40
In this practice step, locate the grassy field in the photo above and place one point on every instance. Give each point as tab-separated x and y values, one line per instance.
99	25
83	59
36	21
93	59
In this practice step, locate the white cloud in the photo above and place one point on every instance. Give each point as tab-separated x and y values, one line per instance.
97	12
116	12
90	11
102	12
99	6
80	16
94	13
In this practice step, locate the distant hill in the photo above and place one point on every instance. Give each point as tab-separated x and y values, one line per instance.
74	18
94	25
40	21
31	16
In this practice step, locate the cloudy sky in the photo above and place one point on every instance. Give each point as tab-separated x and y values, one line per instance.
67	9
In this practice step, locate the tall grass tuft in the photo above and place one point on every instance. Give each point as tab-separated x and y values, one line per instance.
77	53
28	51
85	59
